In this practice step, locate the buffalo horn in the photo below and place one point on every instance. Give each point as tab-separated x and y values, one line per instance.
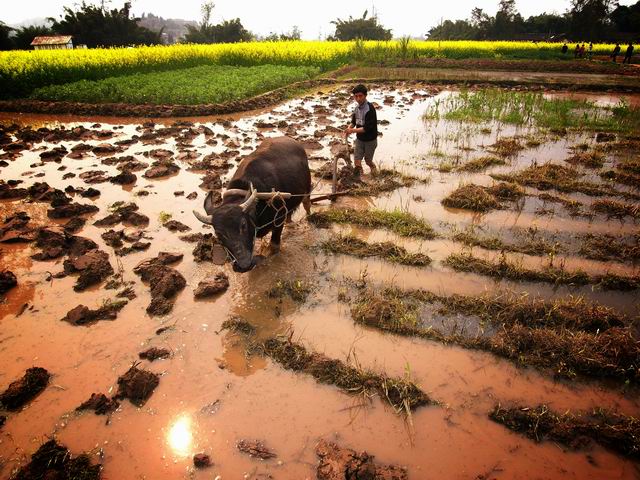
208	219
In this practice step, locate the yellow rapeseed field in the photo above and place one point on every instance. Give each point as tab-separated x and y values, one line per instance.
23	71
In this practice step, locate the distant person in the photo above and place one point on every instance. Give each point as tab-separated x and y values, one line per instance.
590	50
616	52
582	50
364	123
565	48
576	52
629	54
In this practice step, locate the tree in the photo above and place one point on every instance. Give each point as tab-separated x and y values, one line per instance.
508	22
229	31
96	26
294	34
626	19
458	30
360	28
6	43
25	35
590	19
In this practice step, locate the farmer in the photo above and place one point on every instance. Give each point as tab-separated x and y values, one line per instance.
629	54
364	123
576	52
565	48
590	50
616	52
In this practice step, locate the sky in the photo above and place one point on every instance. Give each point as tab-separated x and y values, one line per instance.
403	17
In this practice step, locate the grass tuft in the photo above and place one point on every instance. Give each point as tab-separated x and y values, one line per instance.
352	245
399	222
612	430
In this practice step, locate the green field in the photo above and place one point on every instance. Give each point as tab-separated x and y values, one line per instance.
188	86
22	72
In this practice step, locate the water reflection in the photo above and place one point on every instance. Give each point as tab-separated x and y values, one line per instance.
180	436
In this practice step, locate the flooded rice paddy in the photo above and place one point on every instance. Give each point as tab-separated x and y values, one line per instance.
214	389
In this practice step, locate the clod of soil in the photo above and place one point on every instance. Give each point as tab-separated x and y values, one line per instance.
615	431
55	242
22	391
161	168
82	315
124	178
123	212
71	210
297	290
211	287
176	226
204	250
616	209
201	460
338	463
164	281
100	404
137	385
155	353
53	461
15	229
94	267
8	280
255	449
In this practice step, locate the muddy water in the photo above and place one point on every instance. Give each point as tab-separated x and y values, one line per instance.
212	393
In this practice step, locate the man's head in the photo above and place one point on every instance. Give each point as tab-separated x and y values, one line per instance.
360	93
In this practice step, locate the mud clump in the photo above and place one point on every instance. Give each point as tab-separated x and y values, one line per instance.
54	461
55	242
8	281
255	449
123	212
338	463
176	226
161	168
100	404
94	267
615	431
22	391
202	460
137	385
204	250
71	210
82	315
165	282
154	353
210	287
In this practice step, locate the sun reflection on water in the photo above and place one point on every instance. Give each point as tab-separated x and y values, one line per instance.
180	436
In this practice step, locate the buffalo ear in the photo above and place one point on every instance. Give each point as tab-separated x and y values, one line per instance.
208	203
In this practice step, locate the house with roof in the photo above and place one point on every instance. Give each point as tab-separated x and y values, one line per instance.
53	42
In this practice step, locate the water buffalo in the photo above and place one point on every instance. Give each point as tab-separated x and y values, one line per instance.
249	208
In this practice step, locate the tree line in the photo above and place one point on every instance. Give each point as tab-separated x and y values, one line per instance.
590	20
98	26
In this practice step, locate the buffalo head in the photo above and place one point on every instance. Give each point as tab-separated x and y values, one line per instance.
234	226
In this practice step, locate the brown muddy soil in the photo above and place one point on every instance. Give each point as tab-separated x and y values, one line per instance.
80	237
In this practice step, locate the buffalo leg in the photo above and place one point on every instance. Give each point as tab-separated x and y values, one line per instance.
306	203
275	239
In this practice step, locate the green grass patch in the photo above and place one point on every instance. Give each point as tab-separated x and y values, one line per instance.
397	221
533	109
189	86
352	245
503	268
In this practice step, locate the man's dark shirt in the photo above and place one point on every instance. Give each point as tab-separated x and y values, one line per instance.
370	125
